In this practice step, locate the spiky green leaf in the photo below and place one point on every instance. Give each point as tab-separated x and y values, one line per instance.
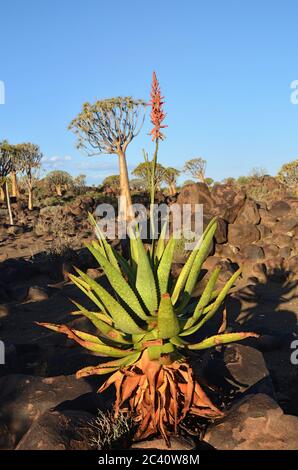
167	321
145	282
123	321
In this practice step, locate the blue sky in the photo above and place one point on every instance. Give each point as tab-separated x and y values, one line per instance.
225	68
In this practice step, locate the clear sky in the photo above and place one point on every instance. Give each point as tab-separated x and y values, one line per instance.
225	68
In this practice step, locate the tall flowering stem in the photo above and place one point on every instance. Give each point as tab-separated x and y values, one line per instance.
157	117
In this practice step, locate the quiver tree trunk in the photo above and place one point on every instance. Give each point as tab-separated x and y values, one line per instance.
2	194
58	190
172	189
30	199
14	185
126	211
8	203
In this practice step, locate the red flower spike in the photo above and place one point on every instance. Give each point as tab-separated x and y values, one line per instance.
157	114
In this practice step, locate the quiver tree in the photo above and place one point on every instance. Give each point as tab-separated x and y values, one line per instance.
111	184
79	183
59	181
108	126
6	166
30	158
196	168
143	171
170	177
16	167
288	174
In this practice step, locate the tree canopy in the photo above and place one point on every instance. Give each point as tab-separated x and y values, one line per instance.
196	167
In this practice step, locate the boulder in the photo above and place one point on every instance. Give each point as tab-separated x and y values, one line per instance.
242	234
7	440
282	240
197	193
252	252
36	294
221	234
4	311
254	423
177	443
223	194
24	398
266	218
292	264
237	367
226	251
270	250
285	252
265	231
279	209
249	213
54	430
234	207
286	225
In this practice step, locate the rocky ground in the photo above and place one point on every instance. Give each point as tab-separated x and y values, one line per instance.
43	406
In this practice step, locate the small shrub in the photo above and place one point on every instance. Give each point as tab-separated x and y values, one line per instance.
107	432
53	220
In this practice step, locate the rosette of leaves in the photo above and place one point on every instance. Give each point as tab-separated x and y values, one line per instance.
145	322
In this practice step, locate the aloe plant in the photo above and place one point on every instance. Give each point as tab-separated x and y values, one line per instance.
145	323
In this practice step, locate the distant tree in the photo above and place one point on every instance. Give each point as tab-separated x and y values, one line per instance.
209	182
30	157
242	180
170	178
58	181
112	184
6	166
143	171
229	180
196	168
187	182
79	183
137	184
258	172
16	168
288	174
108	126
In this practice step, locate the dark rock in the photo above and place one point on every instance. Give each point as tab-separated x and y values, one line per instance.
249	214
223	194
237	367
4	311
251	268
243	234
265	231
234	207
221	234
23	398
7	440
279	209
266	342
285	252
286	225
197	193
282	240
15	230
255	423
270	250
292	264
266	218
177	443
54	430
252	252
226	251
36	294
93	273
